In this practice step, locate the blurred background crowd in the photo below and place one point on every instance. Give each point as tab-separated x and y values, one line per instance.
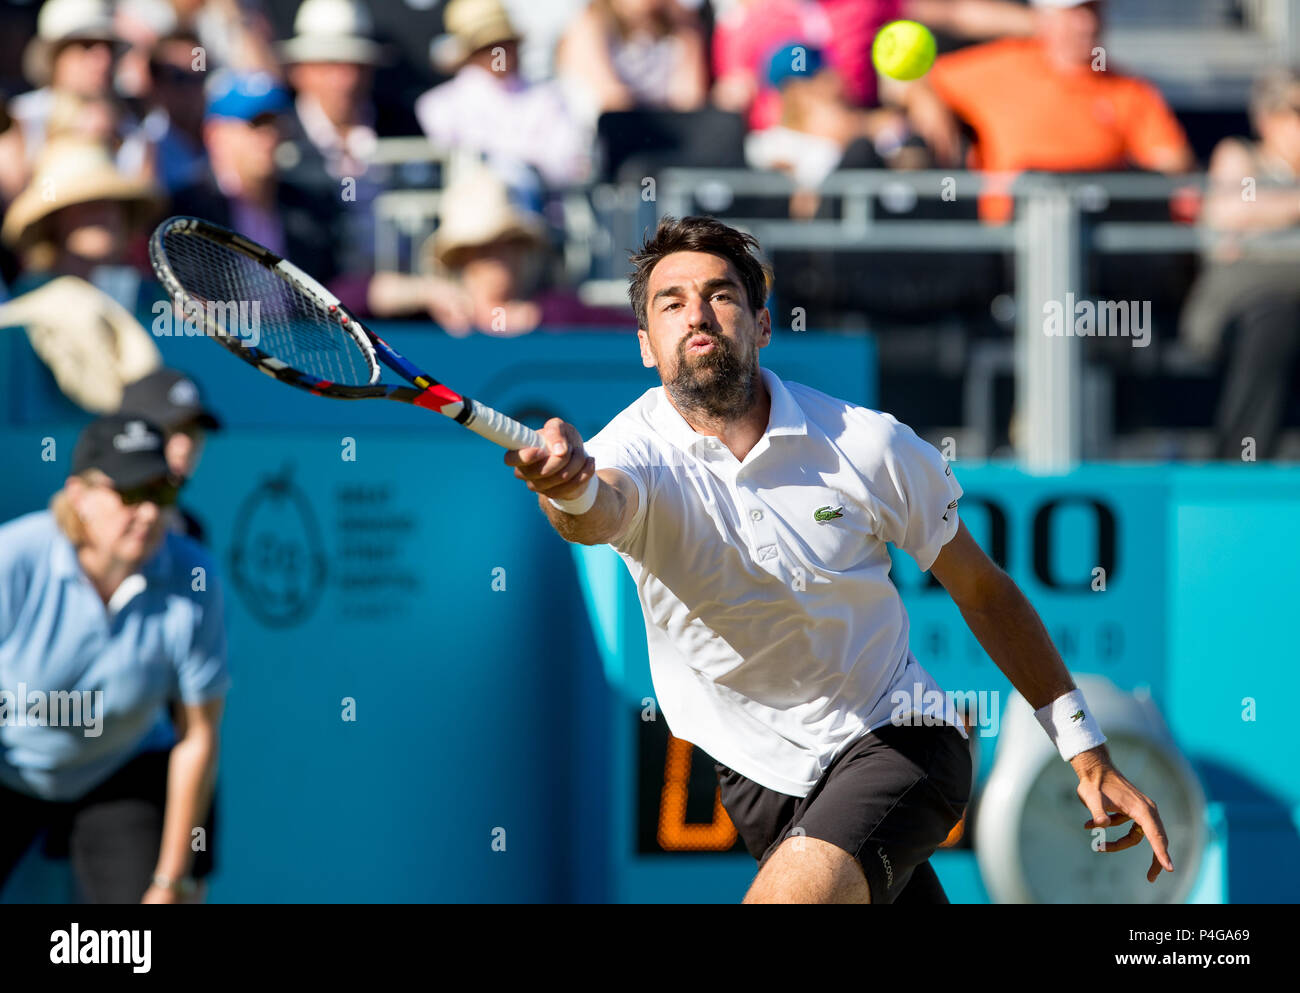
485	166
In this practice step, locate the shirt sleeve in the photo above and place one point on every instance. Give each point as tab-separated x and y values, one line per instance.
15	579
614	450
958	78
1152	131
202	673
913	486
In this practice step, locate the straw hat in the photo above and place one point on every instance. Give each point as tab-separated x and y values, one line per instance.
333	31
61	21
72	170
471	25
477	211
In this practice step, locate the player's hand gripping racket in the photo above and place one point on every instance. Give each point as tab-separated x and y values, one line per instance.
305	338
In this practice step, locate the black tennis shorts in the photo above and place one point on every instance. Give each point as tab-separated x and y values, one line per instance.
889	799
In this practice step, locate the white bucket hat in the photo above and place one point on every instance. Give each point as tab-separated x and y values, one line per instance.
61	21
333	31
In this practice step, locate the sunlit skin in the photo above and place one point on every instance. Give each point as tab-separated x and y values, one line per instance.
83	67
339	87
500	58
119	538
243	155
183	449
1070	34
703	339
88	234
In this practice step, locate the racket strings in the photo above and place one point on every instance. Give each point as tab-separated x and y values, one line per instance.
279	318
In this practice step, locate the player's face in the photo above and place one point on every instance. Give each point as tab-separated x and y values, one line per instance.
702	336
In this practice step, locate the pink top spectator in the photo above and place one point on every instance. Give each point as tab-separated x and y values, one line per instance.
748	35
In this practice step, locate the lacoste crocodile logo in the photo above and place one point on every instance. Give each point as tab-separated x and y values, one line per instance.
823	514
1077	716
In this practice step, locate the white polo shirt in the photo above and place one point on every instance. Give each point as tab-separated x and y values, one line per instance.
777	638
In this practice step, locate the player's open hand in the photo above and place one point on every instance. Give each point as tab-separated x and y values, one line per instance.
560	471
1112	799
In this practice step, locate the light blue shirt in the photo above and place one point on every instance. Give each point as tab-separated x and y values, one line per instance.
84	687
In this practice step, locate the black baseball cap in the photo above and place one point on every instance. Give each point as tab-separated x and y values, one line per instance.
168	398
128	450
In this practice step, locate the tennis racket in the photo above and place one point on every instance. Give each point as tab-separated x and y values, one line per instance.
306	338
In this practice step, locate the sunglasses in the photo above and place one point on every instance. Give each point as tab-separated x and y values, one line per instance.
165	72
161	493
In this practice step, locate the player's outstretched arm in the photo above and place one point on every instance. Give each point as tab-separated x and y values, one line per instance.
563	473
1010	630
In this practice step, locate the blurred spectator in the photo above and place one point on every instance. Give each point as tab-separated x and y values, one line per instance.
1254	190
488	259
1046	103
542	26
748	32
140	24
99	601
819	131
330	60
13	166
628	54
174	122
488	109
235	34
91	341
329	138
243	189
171	400
71	59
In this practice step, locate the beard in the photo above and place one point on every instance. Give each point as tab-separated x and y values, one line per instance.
718	384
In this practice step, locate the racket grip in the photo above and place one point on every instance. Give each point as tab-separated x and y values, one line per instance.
502	430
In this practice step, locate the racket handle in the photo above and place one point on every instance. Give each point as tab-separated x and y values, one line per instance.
509	433
502	430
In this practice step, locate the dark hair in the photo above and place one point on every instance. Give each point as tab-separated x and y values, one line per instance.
698	234
158	49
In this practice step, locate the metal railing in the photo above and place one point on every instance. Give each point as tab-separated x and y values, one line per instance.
1058	221
1048	238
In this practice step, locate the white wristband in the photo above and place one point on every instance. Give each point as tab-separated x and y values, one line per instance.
1069	724
582	504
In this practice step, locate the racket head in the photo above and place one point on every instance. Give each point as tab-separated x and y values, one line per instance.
289	327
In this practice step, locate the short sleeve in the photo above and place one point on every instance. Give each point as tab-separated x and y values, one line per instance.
1152	132
201	672
958	79
613	449
15	576
913	487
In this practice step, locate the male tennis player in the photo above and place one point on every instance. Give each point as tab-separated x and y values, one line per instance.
754	516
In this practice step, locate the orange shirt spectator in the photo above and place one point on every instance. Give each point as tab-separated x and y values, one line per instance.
1038	103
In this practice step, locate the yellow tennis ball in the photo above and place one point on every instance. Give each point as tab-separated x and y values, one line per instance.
903	50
